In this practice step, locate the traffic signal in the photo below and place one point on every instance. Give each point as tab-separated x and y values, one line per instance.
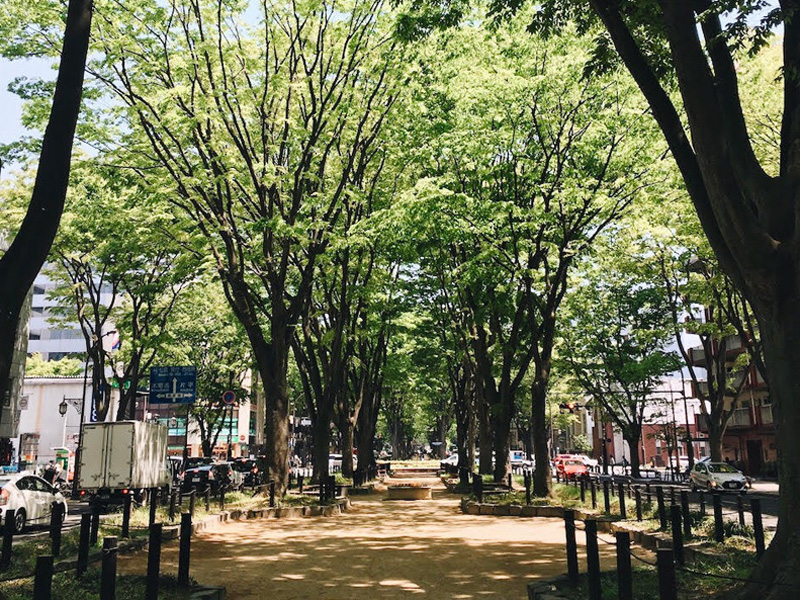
570	406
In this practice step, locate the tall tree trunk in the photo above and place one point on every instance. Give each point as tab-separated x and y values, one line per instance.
484	437
346	428
502	437
31	245
634	438
542	484
714	441
322	444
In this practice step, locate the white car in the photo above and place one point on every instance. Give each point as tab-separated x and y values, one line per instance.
589	462
30	496
451	460
717	476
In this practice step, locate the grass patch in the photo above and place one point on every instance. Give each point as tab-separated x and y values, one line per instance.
87	587
690	586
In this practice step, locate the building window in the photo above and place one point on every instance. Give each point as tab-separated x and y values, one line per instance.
38	289
35	335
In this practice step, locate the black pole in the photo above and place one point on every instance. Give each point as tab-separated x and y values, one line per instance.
43	581
623	513
172	502
740	508
572	546
528	488
191	501
662	511
153	495
606	497
667	589
624	574
108	575
583	489
185	548
95	525
83	544
702	503
637	494
126	515
153	562
647	491
208	498
719	532
677	533
593	560
8	539
56	512
758	526
594	494
686	515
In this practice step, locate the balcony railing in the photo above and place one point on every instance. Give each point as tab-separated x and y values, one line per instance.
766	415
740	418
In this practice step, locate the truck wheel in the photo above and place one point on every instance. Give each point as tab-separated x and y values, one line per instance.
19	520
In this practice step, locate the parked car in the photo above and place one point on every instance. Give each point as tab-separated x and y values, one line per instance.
519	460
251	469
451	460
226	474
573	468
30	496
217	476
717	476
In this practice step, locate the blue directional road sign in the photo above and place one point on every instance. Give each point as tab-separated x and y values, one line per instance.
173	385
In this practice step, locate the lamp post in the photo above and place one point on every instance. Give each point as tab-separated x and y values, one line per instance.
62	410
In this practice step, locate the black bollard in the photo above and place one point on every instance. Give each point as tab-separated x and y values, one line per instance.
758	526
667	588
594	495
208	498
300	483
606	497
662	511
108	575
153	496
477	487
153	562
593	560
185	548
192	494
637	494
95	525
528	482
623	513
671	496
126	515
172	502
702	503
624	573
572	545
583	489
8	539
686	515
510	482
83	545
43	579
56	519
677	533
647	491
740	508
719	532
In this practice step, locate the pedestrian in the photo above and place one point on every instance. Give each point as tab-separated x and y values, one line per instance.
50	472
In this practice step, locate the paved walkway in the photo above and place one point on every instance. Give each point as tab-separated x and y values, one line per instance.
378	550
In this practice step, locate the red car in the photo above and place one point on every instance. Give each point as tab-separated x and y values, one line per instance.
573	468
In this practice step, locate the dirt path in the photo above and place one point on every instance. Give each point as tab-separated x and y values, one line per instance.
378	550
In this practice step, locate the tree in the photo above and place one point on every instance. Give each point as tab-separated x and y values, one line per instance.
203	332
615	340
748	215
28	251
259	137
524	177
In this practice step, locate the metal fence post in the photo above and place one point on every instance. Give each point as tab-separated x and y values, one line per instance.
623	513
740	508
719	532
662	511
593	560
108	575
624	575
572	546
153	496
758	526
95	525
637	494
8	539
126	515
677	533
687	517
667	589
185	549
153	562
43	581
594	494
56	512
606	498
83	544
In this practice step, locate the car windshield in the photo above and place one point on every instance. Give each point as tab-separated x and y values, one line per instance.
573	462
721	468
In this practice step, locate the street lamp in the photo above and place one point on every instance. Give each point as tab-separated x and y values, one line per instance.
62	408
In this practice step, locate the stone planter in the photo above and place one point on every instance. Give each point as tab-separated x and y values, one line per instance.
409	493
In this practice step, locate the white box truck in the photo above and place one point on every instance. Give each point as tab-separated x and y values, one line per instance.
124	457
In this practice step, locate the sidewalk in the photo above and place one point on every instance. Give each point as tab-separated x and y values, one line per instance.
766	487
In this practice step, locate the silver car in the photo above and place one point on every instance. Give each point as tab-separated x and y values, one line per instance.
717	476
30	496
